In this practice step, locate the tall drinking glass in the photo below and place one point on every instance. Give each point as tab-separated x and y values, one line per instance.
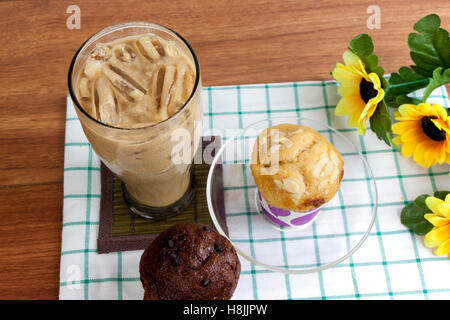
156	184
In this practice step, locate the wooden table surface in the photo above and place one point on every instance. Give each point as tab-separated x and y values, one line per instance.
237	42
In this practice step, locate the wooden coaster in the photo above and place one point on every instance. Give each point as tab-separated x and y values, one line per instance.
122	230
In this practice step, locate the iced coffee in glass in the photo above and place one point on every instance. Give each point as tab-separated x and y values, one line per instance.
136	88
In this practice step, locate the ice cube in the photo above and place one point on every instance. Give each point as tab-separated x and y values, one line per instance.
123	85
159	47
92	67
129	74
169	77
124	53
157	84
101	53
176	91
148	49
94	63
107	109
84	88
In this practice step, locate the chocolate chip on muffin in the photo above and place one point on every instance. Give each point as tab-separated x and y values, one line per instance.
189	261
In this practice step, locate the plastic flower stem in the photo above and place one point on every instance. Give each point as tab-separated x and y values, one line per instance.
404	84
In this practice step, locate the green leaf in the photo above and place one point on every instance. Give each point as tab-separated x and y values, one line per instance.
412	217
380	123
441	42
420	202
429	49
430	46
422	228
441	194
403	99
371	62
425	62
361	45
403	83
440	77
428	24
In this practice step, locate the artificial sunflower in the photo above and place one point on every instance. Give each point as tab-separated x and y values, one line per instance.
439	236
360	91
423	132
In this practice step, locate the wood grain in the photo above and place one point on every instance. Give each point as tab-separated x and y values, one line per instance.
30	241
237	42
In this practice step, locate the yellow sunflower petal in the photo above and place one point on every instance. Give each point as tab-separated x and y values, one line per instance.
414	112
439	234
346	78
444	248
361	129
400	127
379	96
348	91
427	152
430	156
433	203
349	105
447	145
419	153
413	134
430	244
373	77
353	121
447	197
397	114
351	59
441	124
441	112
397	140
446	126
444	209
427	110
436	220
368	111
440	153
408	149
405	110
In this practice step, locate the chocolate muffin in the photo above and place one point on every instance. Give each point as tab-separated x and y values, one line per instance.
189	261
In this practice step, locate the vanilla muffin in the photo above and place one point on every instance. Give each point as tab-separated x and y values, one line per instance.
296	168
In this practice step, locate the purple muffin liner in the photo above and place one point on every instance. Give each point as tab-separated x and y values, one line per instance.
287	218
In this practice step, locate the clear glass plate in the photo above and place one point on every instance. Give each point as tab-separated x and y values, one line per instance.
339	230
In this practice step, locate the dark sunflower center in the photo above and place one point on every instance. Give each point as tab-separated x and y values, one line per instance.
367	90
431	130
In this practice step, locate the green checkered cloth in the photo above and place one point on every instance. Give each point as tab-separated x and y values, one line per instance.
391	264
